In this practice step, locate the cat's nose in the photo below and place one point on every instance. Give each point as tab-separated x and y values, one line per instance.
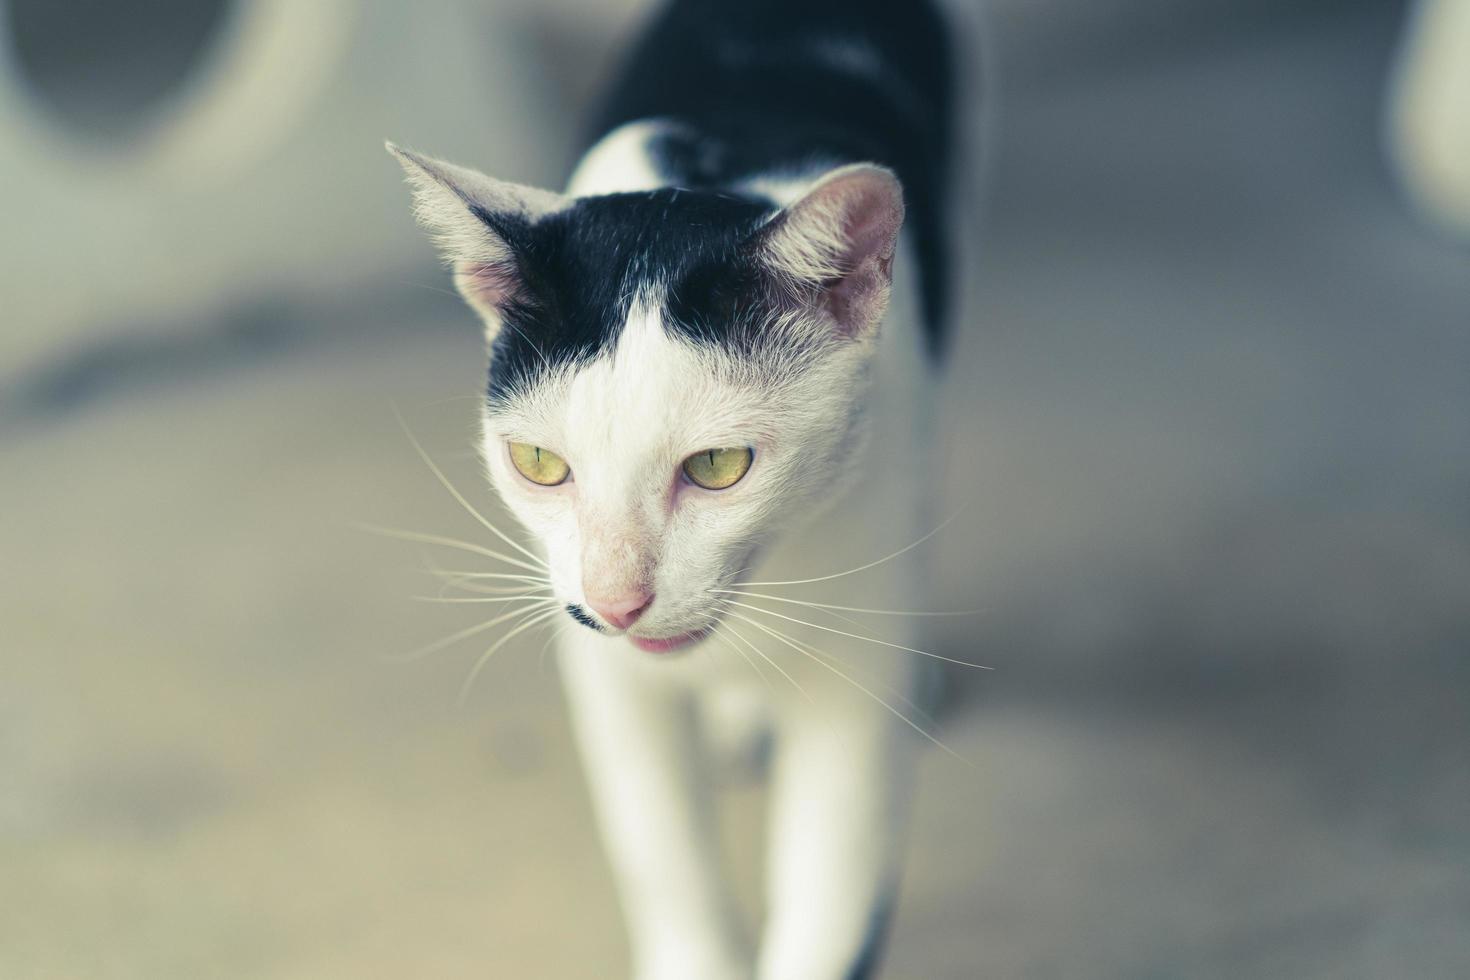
621	611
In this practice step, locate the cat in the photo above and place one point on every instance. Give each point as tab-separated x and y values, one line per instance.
710	400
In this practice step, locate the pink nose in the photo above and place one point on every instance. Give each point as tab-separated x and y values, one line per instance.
622	611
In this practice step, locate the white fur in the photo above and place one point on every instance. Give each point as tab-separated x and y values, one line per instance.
840	445
619	162
840	427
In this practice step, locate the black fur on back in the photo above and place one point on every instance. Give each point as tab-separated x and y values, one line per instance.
748	88
764	86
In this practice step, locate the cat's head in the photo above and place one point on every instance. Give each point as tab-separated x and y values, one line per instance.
674	375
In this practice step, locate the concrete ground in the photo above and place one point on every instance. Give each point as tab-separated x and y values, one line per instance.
1212	432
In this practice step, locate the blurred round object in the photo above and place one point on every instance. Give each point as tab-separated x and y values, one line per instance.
102	69
164	163
181	89
1429	112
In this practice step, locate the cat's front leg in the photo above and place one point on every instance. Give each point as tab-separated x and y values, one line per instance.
843	773
639	745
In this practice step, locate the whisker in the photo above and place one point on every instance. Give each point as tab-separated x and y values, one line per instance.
432	289
857	636
536	620
889	688
530	343
855	683
510	576
858	609
768	660
840	617
463	586
477	599
860	568
468	632
719	634
456	579
469	582
447	399
556	634
420	538
460	497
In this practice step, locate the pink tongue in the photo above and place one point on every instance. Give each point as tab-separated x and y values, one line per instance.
660	646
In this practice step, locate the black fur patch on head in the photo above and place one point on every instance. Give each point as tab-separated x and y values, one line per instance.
580	615
581	269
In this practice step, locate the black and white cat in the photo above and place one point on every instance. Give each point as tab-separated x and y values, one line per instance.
709	400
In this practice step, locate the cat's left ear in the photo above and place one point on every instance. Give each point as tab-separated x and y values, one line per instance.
478	223
833	248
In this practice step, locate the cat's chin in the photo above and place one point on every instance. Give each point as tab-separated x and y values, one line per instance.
669	644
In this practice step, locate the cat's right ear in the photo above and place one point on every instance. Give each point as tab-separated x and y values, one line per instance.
833	247
478	223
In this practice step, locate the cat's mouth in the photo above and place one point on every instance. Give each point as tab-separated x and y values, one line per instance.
648	644
668	644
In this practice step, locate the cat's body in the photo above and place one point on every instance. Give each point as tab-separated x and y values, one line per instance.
716	276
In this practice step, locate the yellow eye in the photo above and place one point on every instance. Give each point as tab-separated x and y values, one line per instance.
716	469
539	465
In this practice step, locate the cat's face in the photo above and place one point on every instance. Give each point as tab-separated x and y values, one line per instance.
628	527
674	376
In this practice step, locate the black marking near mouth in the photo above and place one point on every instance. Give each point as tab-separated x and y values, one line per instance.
580	615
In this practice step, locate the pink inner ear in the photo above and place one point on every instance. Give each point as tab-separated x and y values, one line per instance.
857	300
836	245
486	286
858	297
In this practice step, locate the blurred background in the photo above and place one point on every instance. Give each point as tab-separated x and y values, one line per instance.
1210	428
